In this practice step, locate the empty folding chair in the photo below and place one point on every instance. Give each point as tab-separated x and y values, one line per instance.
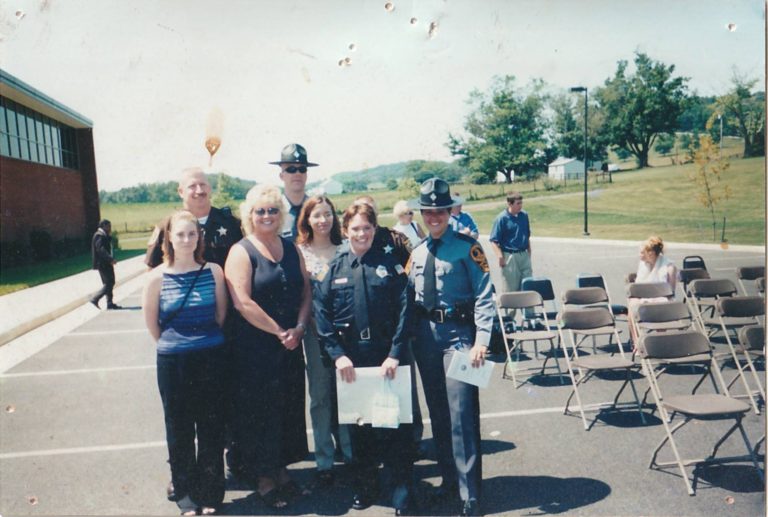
517	303
734	313
703	295
751	343
581	368
662	317
596	280
639	293
543	286
584	297
691	347
686	276
749	274
694	261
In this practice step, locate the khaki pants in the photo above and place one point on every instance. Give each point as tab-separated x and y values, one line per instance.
517	266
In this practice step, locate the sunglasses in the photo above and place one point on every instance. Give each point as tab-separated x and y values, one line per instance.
271	211
408	213
294	170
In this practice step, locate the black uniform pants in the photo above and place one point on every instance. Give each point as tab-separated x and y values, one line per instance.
193	393
107	274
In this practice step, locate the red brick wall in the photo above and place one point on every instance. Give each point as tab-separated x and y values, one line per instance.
34	196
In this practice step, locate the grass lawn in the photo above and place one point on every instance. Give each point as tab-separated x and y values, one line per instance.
17	278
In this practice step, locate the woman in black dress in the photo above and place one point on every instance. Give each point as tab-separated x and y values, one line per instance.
270	290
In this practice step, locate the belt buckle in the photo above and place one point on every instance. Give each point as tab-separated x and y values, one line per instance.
438	315
365	335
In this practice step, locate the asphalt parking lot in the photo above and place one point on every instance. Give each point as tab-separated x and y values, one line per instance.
82	432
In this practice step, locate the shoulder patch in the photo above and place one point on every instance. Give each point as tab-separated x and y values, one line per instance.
479	258
466	238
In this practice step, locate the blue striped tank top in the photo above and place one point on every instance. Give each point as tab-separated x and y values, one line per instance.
194	327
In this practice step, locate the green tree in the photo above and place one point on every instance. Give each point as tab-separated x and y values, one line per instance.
707	176
664	143
568	128
504	131
639	106
745	111
409	187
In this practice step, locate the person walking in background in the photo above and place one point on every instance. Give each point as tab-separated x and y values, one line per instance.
293	171
104	262
361	309
319	238
220	228
511	241
405	223
185	304
450	277
270	289
461	221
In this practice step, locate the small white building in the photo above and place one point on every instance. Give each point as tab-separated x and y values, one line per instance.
330	187
566	168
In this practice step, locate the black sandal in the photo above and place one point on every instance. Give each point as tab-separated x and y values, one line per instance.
273	499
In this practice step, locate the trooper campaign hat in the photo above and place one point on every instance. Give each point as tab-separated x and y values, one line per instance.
435	194
294	153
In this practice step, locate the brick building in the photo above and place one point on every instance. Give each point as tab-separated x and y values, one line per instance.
48	180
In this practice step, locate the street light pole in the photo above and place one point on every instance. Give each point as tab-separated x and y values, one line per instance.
720	118
586	212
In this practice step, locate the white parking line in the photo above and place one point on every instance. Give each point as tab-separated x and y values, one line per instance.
83	370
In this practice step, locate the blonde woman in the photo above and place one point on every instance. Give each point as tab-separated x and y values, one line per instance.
654	267
270	289
185	303
405	223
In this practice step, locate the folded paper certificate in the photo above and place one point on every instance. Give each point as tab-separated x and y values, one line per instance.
461	369
355	399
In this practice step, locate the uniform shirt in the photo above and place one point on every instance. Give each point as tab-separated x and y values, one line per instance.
511	232
220	231
291	218
462	221
462	277
392	242
388	307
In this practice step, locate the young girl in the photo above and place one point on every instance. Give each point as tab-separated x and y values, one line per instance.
185	303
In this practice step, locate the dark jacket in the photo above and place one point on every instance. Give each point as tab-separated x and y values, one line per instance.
101	250
221	231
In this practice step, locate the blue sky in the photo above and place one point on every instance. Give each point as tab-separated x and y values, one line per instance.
150	73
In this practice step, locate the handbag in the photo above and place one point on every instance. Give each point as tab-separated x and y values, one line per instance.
385	407
170	317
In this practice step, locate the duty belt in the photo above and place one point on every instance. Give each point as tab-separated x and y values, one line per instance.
443	315
515	251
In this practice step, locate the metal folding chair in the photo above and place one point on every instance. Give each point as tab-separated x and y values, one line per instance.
584	297
517	303
733	314
597	280
760	286
749	274
703	295
691	347
583	368
686	276
543	286
694	261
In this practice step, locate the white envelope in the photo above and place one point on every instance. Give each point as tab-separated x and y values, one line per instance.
461	369
355	399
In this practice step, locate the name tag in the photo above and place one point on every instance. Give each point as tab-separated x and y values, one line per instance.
381	272
342	280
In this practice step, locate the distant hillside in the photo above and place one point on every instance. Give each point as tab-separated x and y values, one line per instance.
378	173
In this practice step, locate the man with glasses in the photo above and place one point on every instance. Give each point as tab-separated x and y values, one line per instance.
511	241
293	171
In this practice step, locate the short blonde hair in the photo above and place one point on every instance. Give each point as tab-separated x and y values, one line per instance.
400	208
654	244
261	195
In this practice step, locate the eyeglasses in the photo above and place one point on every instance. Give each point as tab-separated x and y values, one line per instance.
294	170
271	211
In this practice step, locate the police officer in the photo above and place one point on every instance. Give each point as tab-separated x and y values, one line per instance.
220	228
293	171
361	308
104	262
454	314
390	241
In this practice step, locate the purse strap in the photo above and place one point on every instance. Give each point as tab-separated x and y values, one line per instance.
170	317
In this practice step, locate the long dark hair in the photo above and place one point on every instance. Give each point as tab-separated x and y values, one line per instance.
304	229
181	215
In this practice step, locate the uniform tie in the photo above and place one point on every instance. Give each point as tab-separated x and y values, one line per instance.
430	281
361	299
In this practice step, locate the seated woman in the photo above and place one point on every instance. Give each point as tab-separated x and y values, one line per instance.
361	307
270	290
654	267
405	223
185	303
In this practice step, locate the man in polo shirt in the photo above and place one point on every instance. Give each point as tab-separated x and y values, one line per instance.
511	241
293	171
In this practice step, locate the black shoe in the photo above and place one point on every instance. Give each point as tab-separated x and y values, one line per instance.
113	307
362	500
402	501
170	491
96	304
471	507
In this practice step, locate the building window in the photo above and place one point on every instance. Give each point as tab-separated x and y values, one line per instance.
28	135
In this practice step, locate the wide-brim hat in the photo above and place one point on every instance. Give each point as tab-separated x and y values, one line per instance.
435	194
294	153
